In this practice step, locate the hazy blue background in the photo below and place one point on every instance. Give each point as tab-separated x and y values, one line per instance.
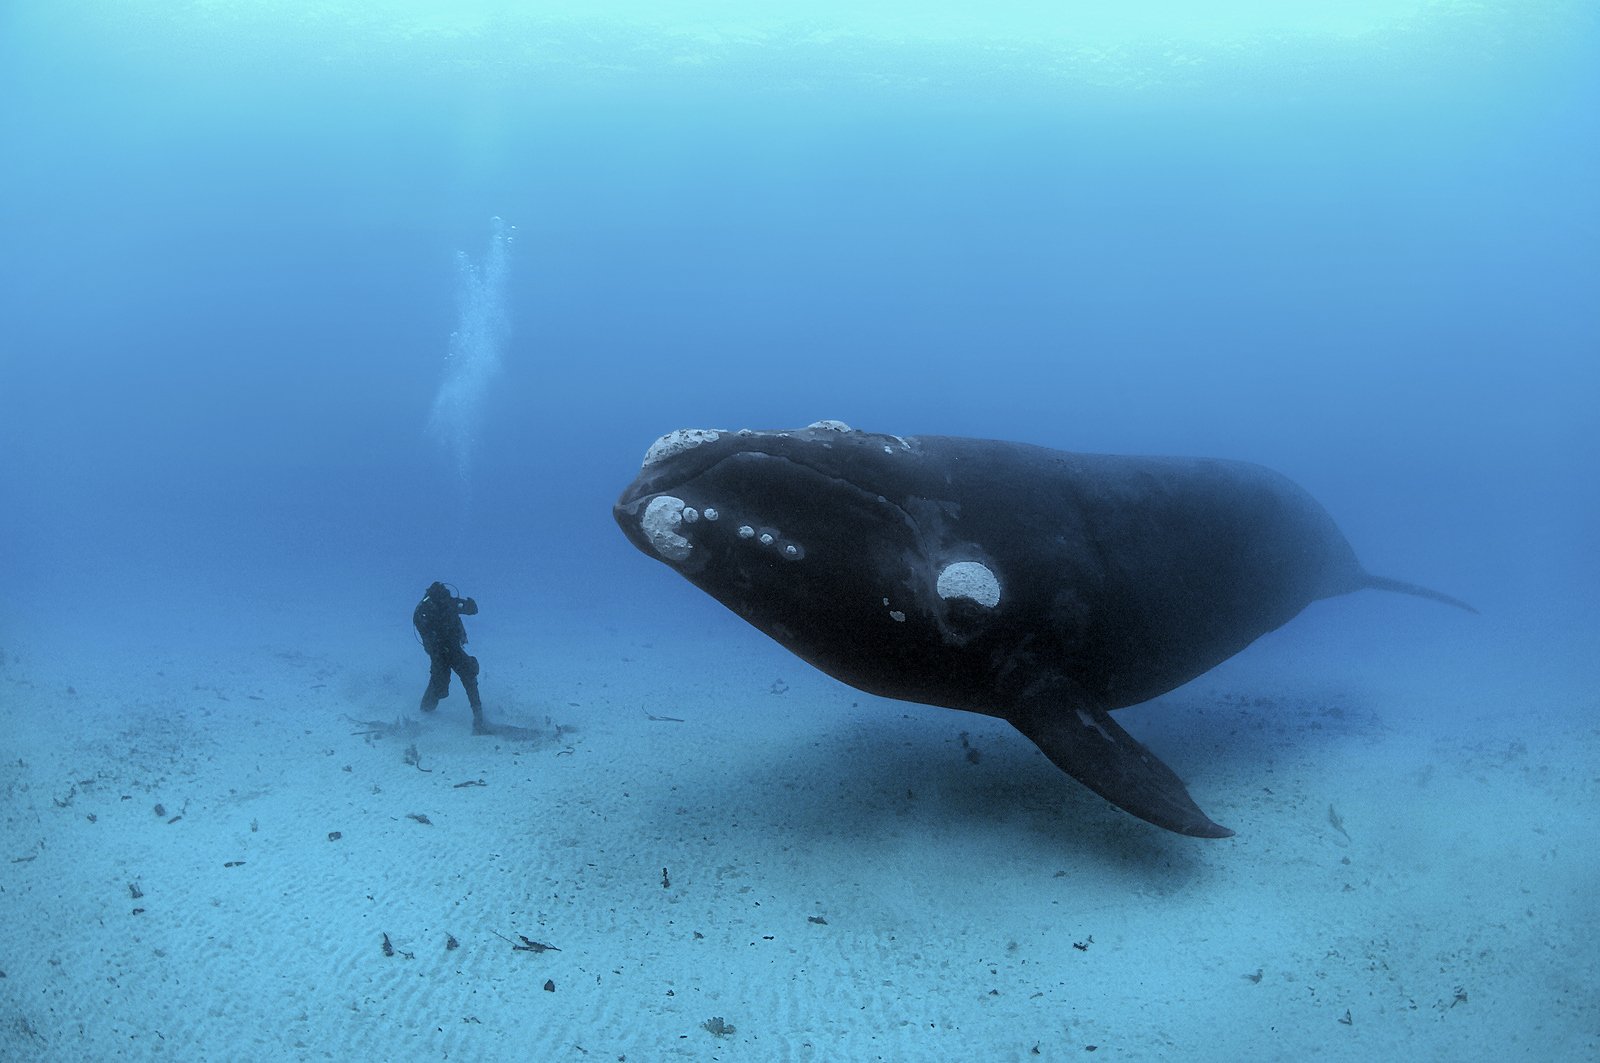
1359	243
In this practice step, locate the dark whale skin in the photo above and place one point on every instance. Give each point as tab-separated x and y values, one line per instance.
1043	587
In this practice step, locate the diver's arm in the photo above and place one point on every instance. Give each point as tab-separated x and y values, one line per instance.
467	606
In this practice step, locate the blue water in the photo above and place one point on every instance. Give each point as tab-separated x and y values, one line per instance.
305	306
232	279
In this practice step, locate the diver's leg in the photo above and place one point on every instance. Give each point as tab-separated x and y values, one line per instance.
438	683
467	668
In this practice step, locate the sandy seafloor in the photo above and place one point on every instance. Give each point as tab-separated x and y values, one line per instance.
831	875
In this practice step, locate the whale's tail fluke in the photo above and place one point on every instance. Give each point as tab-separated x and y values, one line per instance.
1384	583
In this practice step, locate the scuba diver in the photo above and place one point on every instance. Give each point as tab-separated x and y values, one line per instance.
437	619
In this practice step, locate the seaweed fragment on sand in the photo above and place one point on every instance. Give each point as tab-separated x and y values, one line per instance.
1336	821
413	758
528	944
399	727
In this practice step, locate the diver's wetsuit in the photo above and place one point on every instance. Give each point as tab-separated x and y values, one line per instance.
437	619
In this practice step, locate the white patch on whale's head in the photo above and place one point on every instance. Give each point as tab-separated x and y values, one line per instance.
970	580
660	523
831	426
677	442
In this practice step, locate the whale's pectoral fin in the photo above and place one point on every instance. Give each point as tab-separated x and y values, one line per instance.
1087	744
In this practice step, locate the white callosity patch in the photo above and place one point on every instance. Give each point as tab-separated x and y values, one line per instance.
711	513
831	426
970	580
660	523
678	442
771	538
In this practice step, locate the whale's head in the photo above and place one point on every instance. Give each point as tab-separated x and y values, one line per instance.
814	535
